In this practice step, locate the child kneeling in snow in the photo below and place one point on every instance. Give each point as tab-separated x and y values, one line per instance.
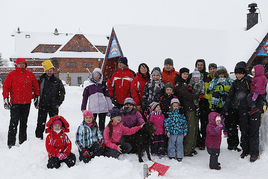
113	132
89	140
58	144
213	138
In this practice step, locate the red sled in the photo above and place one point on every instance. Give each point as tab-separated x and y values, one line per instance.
160	168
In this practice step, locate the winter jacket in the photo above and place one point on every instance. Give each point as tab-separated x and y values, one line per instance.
176	123
119	84
20	84
158	119
186	98
86	136
169	76
149	94
98	102
165	103
118	131
198	88
259	81
137	87
52	91
208	94
132	118
213	138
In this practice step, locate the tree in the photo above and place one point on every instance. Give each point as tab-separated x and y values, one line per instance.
3	62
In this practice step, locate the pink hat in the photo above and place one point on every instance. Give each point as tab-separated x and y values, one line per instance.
174	100
88	113
57	122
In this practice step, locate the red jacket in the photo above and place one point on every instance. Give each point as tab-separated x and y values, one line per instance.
20	84
169	76
137	87
119	84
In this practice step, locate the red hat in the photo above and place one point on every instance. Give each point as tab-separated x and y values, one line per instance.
57	122
88	113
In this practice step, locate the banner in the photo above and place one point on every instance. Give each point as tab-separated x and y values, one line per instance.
264	50
114	50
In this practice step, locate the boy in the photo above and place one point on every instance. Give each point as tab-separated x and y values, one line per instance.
166	99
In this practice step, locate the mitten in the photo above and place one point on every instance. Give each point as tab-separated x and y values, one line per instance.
190	89
7	104
168	134
85	153
218	127
201	96
255	96
114	101
62	156
219	88
36	101
102	143
125	111
222	119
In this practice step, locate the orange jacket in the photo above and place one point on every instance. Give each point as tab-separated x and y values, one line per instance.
169	76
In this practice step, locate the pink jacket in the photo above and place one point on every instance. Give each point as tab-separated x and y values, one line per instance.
118	131
259	81
158	122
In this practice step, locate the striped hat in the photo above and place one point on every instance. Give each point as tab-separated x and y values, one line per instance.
153	105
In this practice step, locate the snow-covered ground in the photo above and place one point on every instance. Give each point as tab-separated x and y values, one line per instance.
29	159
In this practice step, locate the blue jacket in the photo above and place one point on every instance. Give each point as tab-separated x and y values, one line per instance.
176	123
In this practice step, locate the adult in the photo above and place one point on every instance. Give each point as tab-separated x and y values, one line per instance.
168	74
119	83
20	85
138	84
52	94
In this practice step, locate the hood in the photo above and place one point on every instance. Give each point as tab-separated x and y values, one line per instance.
212	116
203	61
259	70
95	71
157	70
65	124
241	65
221	69
19	60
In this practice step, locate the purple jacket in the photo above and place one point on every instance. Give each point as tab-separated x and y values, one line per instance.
131	119
259	81
213	138
158	120
98	102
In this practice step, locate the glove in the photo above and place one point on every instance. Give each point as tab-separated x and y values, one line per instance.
125	111
7	104
36	101
102	143
222	119
85	153
190	89
201	96
255	96
168	134
218	127
219	88
62	156
114	101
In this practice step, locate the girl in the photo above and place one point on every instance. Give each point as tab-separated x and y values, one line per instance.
153	90
113	132
58	144
97	95
213	139
176	129
158	139
89	140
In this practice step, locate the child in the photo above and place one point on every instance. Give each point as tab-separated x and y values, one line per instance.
158	139
58	144
113	132
89	140
198	87
257	88
221	85
97	95
166	99
213	139
153	90
176	128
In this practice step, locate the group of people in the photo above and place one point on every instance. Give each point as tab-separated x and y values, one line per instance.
175	101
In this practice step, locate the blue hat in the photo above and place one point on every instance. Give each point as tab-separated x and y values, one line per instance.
115	112
123	60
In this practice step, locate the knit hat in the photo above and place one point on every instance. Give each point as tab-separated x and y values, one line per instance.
169	85
88	113
115	112
156	70
129	101
196	73
184	69
153	105
218	118
174	100
168	61
57	122
240	70
123	60
212	65
47	65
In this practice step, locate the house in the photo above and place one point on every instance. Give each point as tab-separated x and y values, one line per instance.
72	54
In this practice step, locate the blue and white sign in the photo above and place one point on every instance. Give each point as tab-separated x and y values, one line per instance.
114	50
264	50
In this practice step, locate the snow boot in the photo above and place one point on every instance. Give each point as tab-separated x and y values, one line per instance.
253	159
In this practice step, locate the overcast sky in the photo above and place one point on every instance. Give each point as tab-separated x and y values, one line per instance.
99	16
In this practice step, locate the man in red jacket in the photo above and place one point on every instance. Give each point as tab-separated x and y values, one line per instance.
21	85
119	84
168	74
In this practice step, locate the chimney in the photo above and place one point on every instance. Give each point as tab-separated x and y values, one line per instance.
18	31
252	17
56	31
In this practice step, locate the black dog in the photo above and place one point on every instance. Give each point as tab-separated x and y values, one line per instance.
141	140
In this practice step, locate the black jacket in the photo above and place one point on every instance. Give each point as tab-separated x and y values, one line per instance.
165	103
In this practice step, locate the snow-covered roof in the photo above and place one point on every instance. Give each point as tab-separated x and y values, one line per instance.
153	44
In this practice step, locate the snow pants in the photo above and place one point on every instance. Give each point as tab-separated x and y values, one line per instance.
158	144
126	147
231	124
42	118
18	113
54	162
189	142
202	133
175	146
94	150
214	155
102	117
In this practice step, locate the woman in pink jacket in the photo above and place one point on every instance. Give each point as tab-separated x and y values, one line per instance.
113	132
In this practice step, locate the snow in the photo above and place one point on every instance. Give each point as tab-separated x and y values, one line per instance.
29	159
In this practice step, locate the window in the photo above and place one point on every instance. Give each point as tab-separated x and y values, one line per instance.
89	65
73	65
70	48
81	48
54	49
84	65
79	80
31	64
67	65
87	49
42	49
48	49
99	65
75	48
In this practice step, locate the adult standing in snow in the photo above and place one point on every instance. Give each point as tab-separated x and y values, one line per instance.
52	93
119	84
20	85
168	74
